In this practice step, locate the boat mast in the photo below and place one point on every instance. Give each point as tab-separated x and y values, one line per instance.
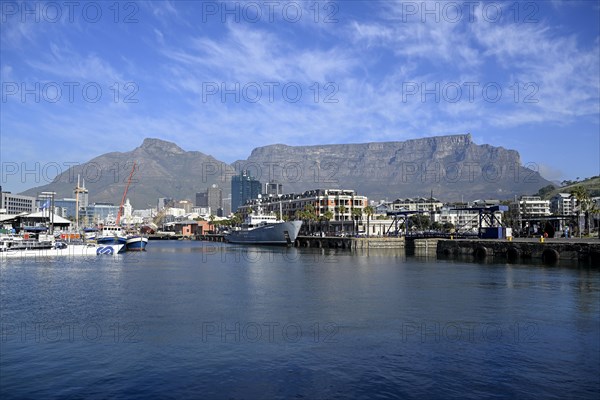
78	190
125	195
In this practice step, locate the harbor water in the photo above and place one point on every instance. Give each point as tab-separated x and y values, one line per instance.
219	321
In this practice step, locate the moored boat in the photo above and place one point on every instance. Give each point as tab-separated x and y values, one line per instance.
111	235
265	229
136	243
15	247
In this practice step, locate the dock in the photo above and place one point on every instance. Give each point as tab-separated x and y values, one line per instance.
351	243
548	251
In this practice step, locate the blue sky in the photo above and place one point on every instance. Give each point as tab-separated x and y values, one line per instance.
88	78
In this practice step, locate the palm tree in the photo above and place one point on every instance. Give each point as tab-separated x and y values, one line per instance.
309	215
369	210
584	201
342	210
236	219
356	215
327	216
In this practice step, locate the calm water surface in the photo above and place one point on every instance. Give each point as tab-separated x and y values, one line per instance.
200	320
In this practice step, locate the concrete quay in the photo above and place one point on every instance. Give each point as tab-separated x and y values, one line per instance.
548	251
334	242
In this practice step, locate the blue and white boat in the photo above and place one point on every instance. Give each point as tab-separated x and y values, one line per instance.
47	247
111	235
136	243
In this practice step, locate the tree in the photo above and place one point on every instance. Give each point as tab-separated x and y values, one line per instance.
327	216
436	226
421	221
546	190
356	215
369	210
448	227
309	214
342	210
585	204
236	219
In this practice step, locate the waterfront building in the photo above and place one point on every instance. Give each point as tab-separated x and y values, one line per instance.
420	204
63	207
345	207
563	204
243	188
532	207
16	203
382	208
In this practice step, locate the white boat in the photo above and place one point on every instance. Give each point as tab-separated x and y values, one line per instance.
15	247
265	229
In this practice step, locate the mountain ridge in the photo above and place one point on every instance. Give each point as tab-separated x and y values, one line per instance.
453	167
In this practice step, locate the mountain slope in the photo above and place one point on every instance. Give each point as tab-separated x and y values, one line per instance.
164	170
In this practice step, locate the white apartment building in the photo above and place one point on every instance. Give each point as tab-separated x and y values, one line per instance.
417	204
563	204
533	206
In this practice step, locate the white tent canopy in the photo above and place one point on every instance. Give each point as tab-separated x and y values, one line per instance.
48	217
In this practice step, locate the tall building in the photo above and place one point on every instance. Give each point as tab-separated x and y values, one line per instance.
243	188
164	202
215	199
202	199
226	207
185	205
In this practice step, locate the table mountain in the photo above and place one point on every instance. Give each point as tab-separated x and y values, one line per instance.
452	167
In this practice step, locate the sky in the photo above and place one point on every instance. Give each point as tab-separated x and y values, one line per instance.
80	79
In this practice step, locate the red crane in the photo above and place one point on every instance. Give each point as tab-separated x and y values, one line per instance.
125	195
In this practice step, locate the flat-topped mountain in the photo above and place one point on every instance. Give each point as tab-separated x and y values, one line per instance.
450	167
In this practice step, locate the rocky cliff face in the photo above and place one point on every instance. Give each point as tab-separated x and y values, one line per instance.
450	167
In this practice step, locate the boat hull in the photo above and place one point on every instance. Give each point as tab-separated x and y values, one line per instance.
284	233
111	240
136	243
71	250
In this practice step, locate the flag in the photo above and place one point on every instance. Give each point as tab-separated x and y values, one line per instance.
46	205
